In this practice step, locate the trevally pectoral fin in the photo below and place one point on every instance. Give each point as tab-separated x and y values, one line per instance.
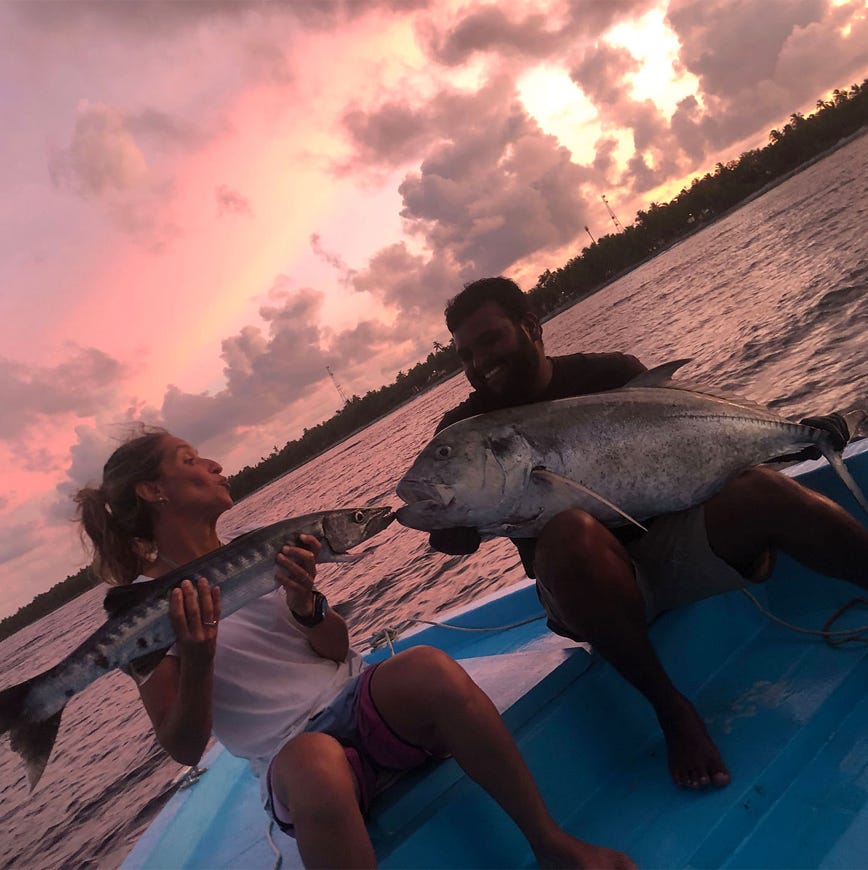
559	482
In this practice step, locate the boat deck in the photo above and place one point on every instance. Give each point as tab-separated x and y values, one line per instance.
788	712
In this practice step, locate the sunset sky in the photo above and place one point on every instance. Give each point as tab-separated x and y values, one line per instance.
205	203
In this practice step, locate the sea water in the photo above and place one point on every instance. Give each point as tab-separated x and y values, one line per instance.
771	302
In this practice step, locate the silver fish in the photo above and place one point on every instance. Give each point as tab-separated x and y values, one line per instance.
625	455
139	630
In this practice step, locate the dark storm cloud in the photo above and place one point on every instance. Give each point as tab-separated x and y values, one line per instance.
733	44
757	63
103	156
489	29
80	386
158	18
392	135
492	188
601	73
232	203
147	18
412	283
267	370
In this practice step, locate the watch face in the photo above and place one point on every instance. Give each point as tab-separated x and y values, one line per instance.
320	606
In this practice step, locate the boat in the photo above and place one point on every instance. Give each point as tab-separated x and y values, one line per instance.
788	710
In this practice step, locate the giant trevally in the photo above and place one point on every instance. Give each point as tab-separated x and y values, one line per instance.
649	448
138	627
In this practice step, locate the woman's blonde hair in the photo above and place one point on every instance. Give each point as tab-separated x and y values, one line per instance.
117	522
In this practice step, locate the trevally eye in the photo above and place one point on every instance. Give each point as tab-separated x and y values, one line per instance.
444	451
359	517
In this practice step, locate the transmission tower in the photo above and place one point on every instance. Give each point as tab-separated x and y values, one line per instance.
618	225
590	236
338	387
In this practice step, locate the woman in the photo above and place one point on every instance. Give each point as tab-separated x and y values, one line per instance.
278	683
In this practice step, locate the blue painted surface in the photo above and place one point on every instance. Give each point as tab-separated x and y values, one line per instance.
789	713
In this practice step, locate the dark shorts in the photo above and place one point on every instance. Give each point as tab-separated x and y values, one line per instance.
674	565
376	754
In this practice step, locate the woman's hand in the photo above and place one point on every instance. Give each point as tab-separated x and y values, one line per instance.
195	613
296	572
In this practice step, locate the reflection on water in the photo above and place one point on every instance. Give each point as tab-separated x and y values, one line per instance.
770	302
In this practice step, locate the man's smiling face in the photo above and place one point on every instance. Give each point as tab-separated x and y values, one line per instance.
499	356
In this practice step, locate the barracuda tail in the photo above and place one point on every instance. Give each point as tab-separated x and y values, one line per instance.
33	741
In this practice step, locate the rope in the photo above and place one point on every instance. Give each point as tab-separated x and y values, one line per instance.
833	638
386	635
279	855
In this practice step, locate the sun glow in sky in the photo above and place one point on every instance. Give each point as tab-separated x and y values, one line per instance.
207	203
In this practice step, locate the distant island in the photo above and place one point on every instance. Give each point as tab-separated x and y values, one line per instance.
803	140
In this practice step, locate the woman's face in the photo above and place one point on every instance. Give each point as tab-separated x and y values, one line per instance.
190	482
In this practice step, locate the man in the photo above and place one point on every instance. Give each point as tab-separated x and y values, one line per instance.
603	586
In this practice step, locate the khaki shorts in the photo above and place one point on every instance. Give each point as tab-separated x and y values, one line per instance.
674	565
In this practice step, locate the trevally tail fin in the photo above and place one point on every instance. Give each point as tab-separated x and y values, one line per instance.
33	741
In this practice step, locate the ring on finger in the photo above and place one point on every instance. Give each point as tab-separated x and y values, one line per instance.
209	623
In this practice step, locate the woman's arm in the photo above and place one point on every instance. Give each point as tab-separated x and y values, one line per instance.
296	572
178	694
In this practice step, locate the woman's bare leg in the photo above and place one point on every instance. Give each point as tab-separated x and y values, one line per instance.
313	779
453	715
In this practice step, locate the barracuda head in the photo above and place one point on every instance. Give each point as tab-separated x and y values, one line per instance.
463	477
344	529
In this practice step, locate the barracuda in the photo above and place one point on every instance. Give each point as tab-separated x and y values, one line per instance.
651	447
138	625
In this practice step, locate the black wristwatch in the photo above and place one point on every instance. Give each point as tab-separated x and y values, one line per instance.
320	608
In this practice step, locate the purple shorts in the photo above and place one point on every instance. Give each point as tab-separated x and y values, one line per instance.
374	751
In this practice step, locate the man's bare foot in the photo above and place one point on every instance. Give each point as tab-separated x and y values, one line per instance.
694	760
562	850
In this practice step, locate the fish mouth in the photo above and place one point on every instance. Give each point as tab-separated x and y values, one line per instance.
418	515
421	493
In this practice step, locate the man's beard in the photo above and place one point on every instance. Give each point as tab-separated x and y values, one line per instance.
522	369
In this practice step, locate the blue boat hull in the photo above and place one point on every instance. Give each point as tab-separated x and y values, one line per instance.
788	712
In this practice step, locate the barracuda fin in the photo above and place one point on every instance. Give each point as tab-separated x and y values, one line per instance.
558	481
120	599
33	741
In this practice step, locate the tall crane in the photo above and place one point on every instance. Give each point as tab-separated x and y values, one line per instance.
341	393
618	225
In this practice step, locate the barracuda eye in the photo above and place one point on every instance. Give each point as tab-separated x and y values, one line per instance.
444	451
359	517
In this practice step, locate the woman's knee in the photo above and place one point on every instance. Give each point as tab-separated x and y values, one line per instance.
312	769
441	677
429	664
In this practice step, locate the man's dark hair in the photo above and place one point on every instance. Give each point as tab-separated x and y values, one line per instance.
505	292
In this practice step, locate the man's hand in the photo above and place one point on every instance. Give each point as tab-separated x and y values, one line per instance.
460	541
834	425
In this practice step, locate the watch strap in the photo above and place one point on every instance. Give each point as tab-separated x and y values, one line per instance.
320	608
